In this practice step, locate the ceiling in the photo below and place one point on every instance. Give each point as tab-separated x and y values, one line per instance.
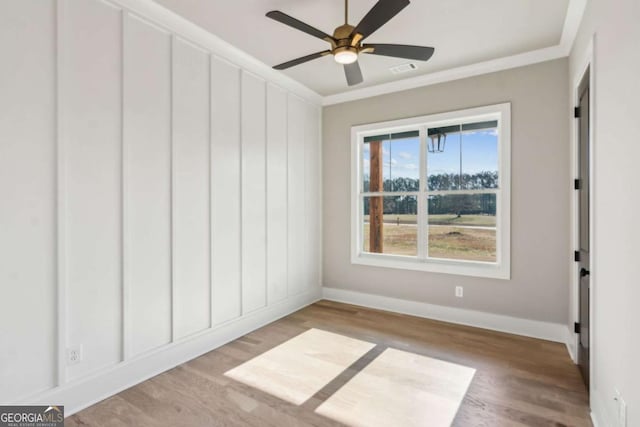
463	32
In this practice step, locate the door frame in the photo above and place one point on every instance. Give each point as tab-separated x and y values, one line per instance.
586	63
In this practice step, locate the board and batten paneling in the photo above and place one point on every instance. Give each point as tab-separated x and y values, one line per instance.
92	127
27	197
254	235
226	217
190	212
277	194
150	185
296	219
147	184
312	190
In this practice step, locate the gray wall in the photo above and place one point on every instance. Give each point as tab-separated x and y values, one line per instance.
540	193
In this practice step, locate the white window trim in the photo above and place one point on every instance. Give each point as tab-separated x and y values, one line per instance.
498	270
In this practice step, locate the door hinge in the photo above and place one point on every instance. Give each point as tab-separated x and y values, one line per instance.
576	184
576	256
576	327
576	112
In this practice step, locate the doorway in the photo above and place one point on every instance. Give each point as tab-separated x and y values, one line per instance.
583	186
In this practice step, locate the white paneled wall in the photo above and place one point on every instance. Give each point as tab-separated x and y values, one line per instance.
277	191
92	153
296	218
28	266
226	223
191	192
162	195
254	233
147	185
312	207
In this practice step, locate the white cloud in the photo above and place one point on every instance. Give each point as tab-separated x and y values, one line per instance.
405	155
490	132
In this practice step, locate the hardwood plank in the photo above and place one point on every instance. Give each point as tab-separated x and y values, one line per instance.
519	381
401	388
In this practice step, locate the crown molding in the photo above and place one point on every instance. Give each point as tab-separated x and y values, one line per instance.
165	18
457	73
575	10
572	21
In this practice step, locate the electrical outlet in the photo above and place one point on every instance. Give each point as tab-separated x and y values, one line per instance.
459	291
74	354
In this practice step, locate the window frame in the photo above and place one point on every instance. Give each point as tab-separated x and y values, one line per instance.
501	269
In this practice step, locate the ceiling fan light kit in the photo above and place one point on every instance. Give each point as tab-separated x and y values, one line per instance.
345	55
346	42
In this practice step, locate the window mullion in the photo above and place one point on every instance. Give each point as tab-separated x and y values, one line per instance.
464	192
499	229
390	193
423	247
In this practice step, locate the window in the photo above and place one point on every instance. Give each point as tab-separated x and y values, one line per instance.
432	193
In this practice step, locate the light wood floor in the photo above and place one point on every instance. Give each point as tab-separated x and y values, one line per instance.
519	381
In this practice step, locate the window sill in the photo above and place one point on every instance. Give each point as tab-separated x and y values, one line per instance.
460	268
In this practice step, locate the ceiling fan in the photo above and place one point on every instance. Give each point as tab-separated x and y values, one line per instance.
346	42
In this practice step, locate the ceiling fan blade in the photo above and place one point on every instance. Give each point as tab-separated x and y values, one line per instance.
379	15
419	53
297	24
353	73
301	60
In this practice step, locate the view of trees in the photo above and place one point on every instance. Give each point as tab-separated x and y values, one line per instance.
463	204
477	181
451	181
458	204
397	205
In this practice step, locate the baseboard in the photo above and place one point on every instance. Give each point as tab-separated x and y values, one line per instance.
87	391
530	328
600	417
571	345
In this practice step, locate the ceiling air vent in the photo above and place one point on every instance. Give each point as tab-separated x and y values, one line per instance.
404	68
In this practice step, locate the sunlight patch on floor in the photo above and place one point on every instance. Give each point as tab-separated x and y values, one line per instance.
297	369
401	388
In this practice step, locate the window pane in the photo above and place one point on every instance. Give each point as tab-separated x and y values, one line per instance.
443	159
366	166
463	227
394	229
480	159
391	165
463	157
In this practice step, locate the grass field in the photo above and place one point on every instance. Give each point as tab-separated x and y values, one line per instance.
476	220
472	244
398	239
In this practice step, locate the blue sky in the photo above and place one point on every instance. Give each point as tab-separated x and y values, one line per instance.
402	157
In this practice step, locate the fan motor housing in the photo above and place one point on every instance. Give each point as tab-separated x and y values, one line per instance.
343	32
